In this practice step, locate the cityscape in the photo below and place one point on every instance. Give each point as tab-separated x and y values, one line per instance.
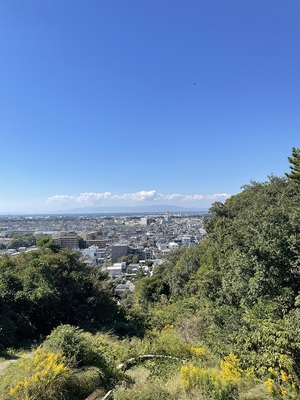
120	245
149	200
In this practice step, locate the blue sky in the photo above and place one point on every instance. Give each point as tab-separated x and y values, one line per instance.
98	104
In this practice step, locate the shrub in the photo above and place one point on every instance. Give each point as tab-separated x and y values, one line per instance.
81	383
79	348
117	351
167	342
82	350
231	368
209	381
282	381
7	331
43	377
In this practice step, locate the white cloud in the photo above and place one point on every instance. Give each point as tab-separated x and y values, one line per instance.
141	196
83	198
194	197
60	198
92	197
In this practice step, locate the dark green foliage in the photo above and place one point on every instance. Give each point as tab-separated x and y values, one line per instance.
295	165
44	288
239	290
7	326
257	264
129	259
133	318
171	278
258	242
79	348
46	242
21	241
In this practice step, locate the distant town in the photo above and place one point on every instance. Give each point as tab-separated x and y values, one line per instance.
120	244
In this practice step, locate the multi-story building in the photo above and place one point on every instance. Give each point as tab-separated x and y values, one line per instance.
119	250
71	242
101	243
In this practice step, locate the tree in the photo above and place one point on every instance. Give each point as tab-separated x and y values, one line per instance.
47	287
21	241
295	165
47	242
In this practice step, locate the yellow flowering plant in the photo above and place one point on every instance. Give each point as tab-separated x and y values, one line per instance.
231	368
282	382
44	375
209	381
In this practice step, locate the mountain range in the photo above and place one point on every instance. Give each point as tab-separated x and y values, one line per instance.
160	208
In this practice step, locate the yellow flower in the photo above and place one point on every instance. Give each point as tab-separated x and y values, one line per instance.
25	383
269	384
198	351
231	368
43	369
12	391
284	376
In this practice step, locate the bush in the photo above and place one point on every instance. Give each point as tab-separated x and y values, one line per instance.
79	348
166	342
209	381
82	350
83	382
117	351
7	331
69	365
282	382
42	377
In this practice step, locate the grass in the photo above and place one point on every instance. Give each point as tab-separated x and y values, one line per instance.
13	353
7	378
10	354
155	378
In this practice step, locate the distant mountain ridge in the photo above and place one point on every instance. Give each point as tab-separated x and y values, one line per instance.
131	209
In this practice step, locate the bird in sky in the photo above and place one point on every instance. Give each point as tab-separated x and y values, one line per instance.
194	83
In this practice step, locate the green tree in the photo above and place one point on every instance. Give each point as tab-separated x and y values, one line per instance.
44	288
21	241
47	242
295	165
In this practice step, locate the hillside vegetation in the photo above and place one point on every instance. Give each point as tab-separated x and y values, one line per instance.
219	320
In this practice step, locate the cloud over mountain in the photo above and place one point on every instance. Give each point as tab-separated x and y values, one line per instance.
141	197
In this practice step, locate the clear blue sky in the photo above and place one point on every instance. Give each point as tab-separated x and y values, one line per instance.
98	103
